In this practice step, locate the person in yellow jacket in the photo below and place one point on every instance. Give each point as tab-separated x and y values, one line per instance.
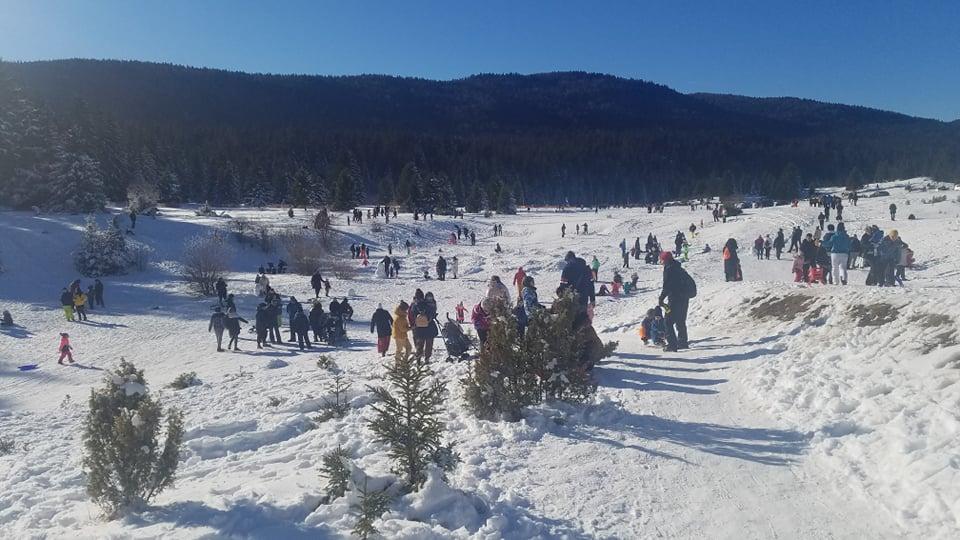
80	305
401	327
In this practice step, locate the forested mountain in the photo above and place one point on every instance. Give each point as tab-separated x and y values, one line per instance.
199	134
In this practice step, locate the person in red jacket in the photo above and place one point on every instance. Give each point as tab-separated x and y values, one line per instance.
65	349
518	281
481	322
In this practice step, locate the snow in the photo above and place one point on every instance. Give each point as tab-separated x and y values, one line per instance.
839	420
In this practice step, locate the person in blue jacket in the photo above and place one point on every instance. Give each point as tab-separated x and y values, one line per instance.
838	246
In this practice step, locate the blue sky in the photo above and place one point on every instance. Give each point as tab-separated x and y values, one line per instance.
897	55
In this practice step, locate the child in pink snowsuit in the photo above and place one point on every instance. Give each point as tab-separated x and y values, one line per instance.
65	349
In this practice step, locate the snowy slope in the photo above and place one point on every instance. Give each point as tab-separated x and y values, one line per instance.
792	416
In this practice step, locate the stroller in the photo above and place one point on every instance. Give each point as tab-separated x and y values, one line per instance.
334	330
458	344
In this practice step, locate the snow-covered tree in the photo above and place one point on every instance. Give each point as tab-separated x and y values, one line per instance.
408	420
74	184
125	461
169	188
260	196
506	204
102	252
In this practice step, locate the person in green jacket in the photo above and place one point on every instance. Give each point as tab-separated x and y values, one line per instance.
595	266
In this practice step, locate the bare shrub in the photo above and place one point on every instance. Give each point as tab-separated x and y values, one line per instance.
139	255
205	259
342	269
305	251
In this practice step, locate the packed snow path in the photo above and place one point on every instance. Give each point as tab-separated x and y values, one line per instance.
799	412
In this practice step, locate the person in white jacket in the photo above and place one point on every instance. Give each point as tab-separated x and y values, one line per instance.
454	266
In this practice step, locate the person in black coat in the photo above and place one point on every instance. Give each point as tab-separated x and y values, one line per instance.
676	291
425	330
292	308
316	281
221	287
795	238
301	326
98	292
318	321
577	276
335	310
779	243
263	323
808	249
441	268
382	322
233	327
346	309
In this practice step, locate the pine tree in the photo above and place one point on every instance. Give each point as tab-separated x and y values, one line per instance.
260	196
506	204
335	468
552	361
407	419
385	193
500	383
125	462
372	504
301	184
344	191
169	188
408	187
854	179
318	195
102	252
475	197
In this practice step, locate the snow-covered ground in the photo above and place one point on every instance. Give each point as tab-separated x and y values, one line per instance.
799	412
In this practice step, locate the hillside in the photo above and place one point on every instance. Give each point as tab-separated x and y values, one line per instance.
547	138
800	411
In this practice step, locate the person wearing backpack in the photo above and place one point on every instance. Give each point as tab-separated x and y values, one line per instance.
425	328
678	289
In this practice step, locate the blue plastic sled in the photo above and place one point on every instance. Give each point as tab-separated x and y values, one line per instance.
28	367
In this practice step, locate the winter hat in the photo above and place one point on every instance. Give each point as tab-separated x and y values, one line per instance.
666	257
403	306
64	334
380	306
570	256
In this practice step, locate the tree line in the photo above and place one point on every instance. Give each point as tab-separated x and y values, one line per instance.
74	134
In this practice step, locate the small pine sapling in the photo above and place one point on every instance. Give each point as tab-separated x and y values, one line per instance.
336	469
338	407
371	505
125	462
185	380
407	419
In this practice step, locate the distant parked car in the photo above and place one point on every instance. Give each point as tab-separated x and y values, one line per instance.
880	193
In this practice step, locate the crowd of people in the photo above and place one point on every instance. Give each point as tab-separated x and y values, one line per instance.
823	255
